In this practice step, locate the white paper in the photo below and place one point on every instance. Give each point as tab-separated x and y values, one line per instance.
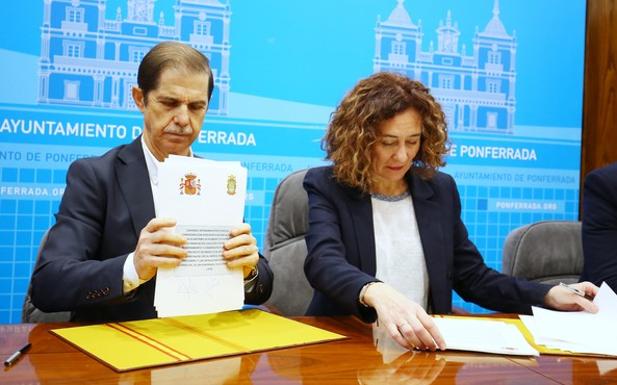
217	195
606	300
578	332
487	336
207	200
566	346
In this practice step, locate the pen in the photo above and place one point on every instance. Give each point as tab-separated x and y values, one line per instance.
15	356
573	289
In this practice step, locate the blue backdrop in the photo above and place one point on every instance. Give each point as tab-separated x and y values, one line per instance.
509	75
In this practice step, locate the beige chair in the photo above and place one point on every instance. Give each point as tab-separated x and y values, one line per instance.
547	252
30	313
285	247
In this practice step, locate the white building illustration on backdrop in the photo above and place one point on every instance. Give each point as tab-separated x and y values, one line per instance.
88	60
476	91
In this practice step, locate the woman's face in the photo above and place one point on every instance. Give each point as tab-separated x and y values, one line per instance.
398	142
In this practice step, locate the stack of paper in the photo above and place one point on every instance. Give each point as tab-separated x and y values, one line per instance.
207	200
483	335
464	333
578	332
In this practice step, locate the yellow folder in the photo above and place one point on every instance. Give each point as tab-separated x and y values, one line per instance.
139	344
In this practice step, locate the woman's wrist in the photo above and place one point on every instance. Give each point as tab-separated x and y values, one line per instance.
362	298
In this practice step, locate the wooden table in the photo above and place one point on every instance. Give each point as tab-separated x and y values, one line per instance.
352	361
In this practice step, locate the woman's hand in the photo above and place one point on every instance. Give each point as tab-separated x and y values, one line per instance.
563	298
406	321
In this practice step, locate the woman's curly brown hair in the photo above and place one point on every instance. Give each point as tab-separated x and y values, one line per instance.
354	127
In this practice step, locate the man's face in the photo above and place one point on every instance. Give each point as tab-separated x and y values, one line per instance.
174	112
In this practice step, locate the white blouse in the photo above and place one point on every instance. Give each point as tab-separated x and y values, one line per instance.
398	249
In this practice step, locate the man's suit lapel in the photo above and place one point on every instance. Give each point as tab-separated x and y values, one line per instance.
427	211
134	183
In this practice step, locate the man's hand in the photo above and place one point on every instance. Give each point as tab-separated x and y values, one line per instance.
406	321
562	298
158	247
241	249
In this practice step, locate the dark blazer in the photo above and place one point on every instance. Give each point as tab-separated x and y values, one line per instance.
600	226
341	250
106	204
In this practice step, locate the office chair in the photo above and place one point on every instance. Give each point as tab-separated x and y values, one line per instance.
29	312
547	252
285	247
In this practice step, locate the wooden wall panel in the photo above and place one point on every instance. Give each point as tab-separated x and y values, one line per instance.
600	96
599	145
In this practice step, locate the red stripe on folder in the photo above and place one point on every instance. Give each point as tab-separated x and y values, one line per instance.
150	342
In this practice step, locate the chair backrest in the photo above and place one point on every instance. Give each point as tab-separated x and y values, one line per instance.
285	246
548	252
29	312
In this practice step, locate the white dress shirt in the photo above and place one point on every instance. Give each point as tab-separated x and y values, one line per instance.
130	278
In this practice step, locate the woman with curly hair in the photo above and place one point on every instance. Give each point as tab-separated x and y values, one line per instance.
385	237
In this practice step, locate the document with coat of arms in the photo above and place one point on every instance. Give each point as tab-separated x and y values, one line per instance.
207	200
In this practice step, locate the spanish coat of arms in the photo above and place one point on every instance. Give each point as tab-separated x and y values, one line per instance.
190	184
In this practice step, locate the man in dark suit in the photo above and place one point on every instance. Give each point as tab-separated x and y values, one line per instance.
103	252
600	226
